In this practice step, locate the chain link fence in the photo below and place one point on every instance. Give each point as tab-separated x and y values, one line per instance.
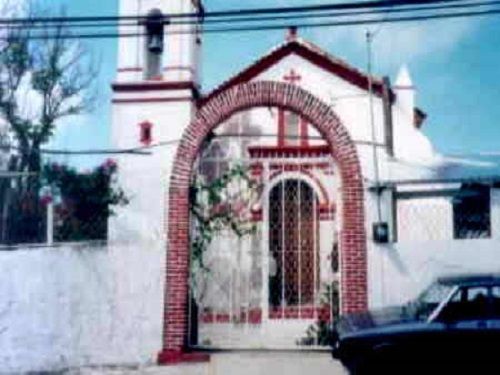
444	214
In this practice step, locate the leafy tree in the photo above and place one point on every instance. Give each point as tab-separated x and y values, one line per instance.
44	78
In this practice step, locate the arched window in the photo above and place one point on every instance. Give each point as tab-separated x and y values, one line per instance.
293	244
154	47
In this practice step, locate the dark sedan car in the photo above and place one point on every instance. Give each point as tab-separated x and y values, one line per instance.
454	322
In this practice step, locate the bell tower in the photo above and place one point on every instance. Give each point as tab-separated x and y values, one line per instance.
162	36
154	99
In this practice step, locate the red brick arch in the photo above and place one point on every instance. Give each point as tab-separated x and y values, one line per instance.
352	235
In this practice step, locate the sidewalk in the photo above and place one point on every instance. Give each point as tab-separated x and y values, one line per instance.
237	363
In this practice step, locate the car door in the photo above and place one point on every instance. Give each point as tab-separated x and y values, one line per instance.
493	326
465	317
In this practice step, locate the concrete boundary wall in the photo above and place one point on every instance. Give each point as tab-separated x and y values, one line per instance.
76	305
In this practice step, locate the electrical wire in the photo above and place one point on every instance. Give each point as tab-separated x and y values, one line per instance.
143	150
270	27
269	18
236	12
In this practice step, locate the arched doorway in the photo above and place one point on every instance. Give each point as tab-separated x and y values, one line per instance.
293	247
352	237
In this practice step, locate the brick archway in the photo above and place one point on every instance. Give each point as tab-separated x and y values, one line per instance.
353	256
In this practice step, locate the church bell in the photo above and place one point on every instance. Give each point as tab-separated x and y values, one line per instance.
155	31
155	44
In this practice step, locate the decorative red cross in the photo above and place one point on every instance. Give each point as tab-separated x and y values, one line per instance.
292	77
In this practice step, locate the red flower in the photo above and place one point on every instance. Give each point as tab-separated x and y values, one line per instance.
46	199
110	163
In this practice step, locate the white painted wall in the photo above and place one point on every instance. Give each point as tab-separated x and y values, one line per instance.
145	178
76	305
398	271
409	267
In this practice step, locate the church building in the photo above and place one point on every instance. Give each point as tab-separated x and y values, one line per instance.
298	189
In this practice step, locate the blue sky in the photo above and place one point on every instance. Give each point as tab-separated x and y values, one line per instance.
454	65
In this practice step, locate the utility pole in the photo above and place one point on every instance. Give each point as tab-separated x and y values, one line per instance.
376	172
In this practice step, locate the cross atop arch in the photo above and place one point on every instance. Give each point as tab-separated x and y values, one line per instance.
292	77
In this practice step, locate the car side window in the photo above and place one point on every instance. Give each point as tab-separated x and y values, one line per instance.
495	301
477	303
467	304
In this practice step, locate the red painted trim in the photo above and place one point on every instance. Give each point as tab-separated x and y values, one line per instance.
256	169
304	166
178	67
305	312
327	212
280	169
288	151
311	53
130	69
154	86
152	100
146	133
304	142
172	357
281	127
254	317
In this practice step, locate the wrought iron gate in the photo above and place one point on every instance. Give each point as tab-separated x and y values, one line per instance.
263	245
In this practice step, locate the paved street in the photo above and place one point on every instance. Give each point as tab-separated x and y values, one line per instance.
237	363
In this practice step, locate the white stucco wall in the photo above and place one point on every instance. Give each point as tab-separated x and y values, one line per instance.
74	305
398	271
409	267
349	102
145	178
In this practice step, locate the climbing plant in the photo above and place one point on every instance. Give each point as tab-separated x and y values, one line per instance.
321	332
216	206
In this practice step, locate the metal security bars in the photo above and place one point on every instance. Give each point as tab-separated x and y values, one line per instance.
263	243
460	212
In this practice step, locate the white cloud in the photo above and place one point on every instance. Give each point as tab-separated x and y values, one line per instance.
395	44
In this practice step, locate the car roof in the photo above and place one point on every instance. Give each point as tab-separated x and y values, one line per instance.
470	279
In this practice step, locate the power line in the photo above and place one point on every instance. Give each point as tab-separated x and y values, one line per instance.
144	150
236	12
270	27
270	18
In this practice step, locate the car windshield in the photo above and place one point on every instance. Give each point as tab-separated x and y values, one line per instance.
423	306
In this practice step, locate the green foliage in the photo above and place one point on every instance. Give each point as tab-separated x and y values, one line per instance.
42	81
83	201
320	333
219	205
